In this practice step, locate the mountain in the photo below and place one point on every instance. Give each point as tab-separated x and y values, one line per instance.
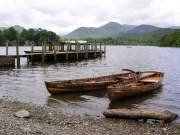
143	29
107	30
175	27
16	27
157	33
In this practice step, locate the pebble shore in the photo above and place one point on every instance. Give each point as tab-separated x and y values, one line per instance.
48	121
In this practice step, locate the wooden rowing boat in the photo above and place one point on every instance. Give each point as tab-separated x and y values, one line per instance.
148	82
88	84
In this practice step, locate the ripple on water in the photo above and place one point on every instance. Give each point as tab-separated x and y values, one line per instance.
27	83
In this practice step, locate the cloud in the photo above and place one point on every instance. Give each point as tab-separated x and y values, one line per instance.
63	16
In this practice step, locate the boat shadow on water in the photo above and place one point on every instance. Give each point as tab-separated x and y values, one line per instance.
133	102
75	97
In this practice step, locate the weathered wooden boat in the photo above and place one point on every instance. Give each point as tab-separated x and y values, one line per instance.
148	82
89	84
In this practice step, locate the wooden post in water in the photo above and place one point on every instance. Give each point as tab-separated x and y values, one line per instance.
45	47
95	54
86	49
62	47
43	53
55	58
7	49
17	54
104	50
32	51
77	50
67	50
100	50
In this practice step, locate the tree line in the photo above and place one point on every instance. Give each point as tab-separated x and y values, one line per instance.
126	40
171	39
28	36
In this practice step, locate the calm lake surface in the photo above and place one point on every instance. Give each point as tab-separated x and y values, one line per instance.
27	83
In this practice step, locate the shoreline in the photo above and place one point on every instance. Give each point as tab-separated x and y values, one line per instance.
46	120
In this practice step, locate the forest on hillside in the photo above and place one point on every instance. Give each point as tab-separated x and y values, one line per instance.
25	37
171	39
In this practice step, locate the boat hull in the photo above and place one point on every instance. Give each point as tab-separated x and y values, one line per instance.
144	85
123	92
58	89
87	84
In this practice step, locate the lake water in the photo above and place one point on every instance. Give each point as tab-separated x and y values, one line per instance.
27	83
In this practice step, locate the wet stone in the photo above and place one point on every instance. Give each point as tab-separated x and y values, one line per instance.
22	114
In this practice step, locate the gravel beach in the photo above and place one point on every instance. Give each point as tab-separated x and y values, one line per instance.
47	121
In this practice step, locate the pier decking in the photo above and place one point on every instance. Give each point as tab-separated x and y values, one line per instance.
60	53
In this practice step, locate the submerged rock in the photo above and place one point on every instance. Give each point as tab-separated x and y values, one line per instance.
22	114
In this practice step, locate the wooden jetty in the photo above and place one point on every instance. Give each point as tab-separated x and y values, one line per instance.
7	62
60	53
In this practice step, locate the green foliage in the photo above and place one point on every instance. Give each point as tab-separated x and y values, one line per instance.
141	40
171	39
24	37
11	34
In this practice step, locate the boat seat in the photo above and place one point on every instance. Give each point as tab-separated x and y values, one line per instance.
150	80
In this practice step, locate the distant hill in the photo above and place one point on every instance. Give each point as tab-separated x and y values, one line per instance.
143	29
175	27
157	33
16	27
107	30
113	29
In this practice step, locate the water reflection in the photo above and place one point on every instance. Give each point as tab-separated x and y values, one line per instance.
75	97
27	83
85	103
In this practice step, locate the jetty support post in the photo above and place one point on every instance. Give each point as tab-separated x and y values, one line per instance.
55	58
43	53
104	50
77	50
45	47
32	51
86	54
95	51
67	51
100	46
7	51
17	54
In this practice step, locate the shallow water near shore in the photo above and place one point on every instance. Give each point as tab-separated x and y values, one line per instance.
27	83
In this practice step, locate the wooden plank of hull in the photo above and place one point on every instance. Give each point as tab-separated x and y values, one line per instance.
123	92
58	89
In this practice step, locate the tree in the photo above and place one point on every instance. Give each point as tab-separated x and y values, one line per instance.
171	39
23	37
11	34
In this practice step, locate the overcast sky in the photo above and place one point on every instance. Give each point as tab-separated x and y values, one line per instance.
62	16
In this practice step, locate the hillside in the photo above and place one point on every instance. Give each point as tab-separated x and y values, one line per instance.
107	30
115	30
143	29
